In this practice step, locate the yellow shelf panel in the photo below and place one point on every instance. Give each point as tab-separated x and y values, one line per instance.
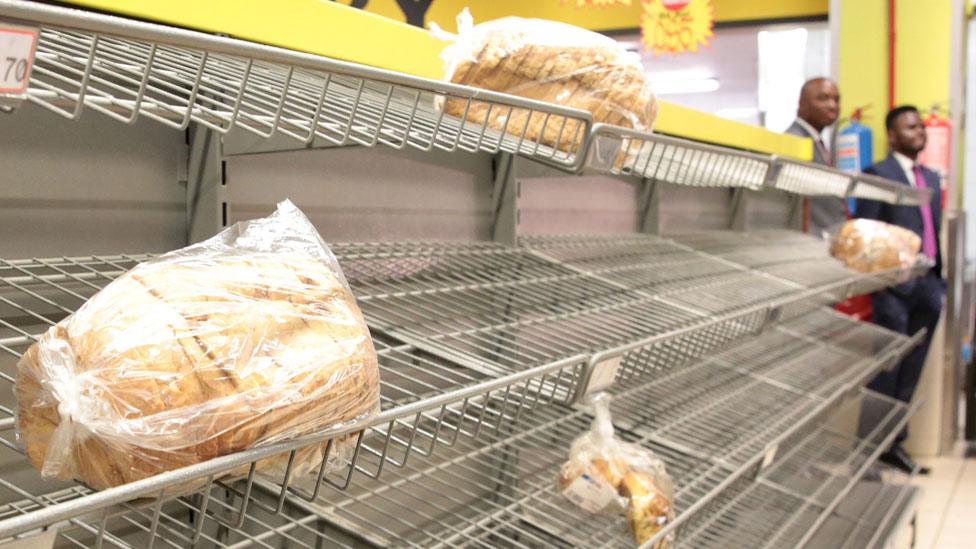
700	126
313	26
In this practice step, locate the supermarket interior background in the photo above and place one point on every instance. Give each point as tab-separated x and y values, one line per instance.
560	273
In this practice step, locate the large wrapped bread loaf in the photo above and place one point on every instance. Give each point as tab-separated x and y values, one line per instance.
869	246
245	340
552	62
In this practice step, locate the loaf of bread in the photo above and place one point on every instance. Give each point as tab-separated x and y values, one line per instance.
648	507
552	62
869	246
201	353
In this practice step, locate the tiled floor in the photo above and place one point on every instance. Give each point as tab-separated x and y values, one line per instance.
946	516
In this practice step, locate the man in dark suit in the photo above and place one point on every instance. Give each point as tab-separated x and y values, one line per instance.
818	109
917	303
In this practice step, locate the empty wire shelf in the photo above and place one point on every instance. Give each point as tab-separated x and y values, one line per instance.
868	518
713	423
659	158
797	494
471	338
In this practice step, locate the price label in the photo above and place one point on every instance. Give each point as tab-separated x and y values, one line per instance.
17	45
768	457
603	374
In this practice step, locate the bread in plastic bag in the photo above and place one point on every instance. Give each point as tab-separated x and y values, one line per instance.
607	475
547	61
868	246
247	339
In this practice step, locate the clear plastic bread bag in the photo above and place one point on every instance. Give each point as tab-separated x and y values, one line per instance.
546	61
607	475
867	245
247	339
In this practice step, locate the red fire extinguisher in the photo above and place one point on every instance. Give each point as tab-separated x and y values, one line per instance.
938	148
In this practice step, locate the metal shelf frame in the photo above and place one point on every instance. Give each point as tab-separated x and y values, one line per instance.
869	516
792	499
128	69
502	491
472	337
660	158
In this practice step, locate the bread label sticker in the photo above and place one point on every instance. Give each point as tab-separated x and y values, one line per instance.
604	372
43	540
769	457
590	493
17	45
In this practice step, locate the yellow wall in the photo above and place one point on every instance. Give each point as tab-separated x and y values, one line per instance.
863	71
922	58
922	28
443	12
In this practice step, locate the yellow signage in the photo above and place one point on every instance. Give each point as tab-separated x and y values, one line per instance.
676	26
599	3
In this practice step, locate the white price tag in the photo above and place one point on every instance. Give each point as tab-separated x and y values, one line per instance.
769	457
590	494
603	374
17	45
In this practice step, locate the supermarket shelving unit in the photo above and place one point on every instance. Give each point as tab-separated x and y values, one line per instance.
716	345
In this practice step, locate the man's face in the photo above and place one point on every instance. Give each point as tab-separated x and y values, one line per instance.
820	104
908	134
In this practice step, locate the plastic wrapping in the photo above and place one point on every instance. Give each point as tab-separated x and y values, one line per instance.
869	246
547	61
246	339
607	475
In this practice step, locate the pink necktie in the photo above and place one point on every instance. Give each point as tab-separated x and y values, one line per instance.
928	227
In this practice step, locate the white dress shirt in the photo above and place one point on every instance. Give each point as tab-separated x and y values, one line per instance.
907	165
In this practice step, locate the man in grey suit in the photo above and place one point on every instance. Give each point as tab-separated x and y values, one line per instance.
818	109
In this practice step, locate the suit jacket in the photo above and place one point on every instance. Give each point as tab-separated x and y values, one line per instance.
909	217
818	157
825	211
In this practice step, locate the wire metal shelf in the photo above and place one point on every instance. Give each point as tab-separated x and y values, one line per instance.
128	69
621	151
795	496
798	258
500	491
427	401
473	338
868	517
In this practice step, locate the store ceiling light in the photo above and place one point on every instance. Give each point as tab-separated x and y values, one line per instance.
675	87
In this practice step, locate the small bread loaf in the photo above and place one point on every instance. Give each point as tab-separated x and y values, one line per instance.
868	246
178	362
550	62
648	508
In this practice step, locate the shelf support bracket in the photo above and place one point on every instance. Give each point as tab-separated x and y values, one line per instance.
207	210
650	204
740	209
504	200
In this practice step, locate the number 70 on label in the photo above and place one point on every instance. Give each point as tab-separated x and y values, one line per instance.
17	45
